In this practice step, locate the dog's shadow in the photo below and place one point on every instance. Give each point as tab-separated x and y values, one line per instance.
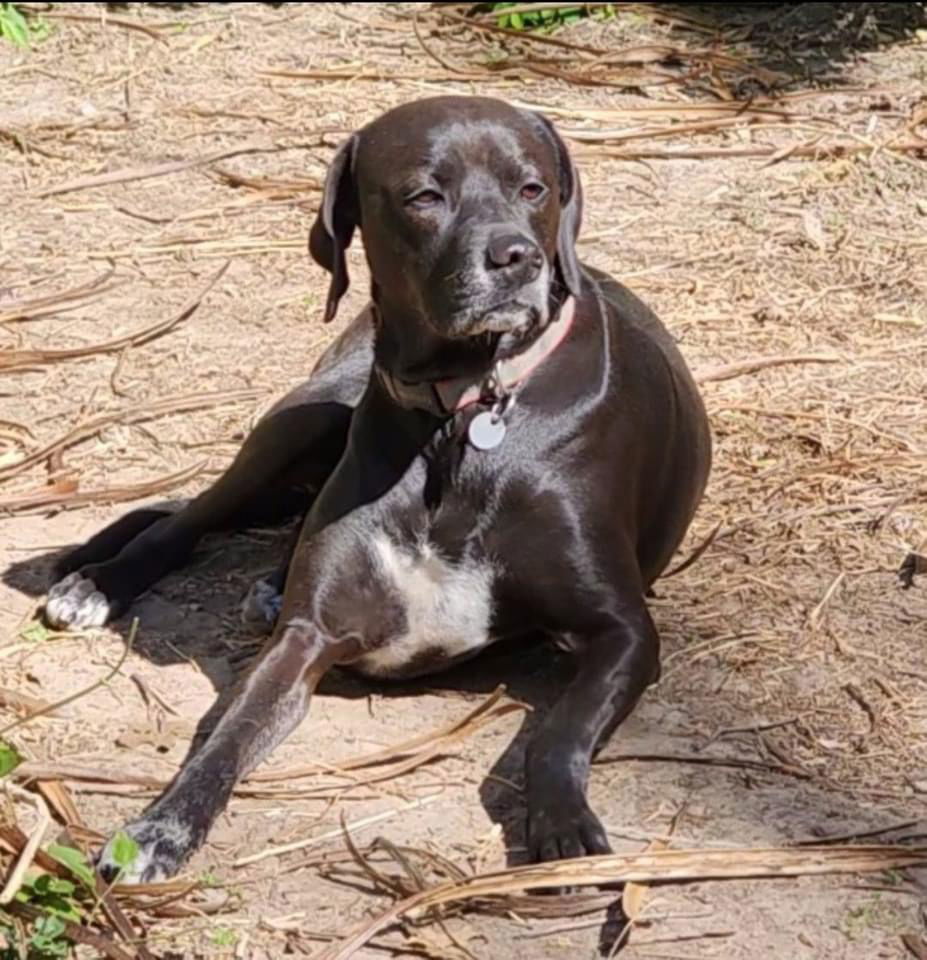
192	615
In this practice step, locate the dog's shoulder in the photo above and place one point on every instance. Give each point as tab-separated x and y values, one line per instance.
638	337
624	306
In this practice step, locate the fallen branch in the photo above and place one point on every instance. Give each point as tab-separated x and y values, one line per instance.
146	173
129	415
43	500
24	860
743	120
352	827
57	302
276	185
708	761
457	730
660	866
106	20
38	770
741	368
11	359
376	76
821	151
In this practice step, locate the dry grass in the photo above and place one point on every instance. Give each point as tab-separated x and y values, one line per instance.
775	223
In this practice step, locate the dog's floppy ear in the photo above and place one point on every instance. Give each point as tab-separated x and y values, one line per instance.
571	211
334	224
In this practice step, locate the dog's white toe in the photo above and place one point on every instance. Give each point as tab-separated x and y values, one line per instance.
163	846
75	601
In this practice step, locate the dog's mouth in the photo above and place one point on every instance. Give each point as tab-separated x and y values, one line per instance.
508	317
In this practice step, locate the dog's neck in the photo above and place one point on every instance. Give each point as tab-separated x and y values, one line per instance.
494	379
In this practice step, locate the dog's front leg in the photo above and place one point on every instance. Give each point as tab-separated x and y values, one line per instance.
618	660
269	703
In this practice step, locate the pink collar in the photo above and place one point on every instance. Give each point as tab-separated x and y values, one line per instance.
509	373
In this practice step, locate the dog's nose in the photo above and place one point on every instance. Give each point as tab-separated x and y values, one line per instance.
514	253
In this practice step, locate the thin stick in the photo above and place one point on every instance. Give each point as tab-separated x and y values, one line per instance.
15	880
146	173
822	151
107	20
158	408
731	370
398	750
815	616
80	693
708	761
375	76
57	302
858	834
41	500
18	358
334	834
34	770
676	129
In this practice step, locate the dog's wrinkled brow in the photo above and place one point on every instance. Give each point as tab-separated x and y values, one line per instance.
475	136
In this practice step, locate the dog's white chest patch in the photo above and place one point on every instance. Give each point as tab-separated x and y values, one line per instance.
448	608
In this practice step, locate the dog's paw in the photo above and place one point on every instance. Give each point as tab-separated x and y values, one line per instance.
164	844
261	607
563	828
75	601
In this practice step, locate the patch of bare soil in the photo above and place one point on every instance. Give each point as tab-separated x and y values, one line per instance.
759	177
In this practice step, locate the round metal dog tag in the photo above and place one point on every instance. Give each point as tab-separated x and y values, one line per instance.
486	430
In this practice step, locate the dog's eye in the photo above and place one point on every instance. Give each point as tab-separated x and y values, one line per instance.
425	199
533	191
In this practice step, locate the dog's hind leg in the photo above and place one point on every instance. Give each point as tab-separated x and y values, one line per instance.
283	463
108	542
152	545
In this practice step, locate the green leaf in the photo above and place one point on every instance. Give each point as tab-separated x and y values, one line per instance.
35	633
47	884
518	21
39	29
63	887
124	850
223	937
9	759
75	861
48	928
14	25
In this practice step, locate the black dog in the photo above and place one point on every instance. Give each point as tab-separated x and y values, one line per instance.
504	442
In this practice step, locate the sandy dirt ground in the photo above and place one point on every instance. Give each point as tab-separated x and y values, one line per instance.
791	655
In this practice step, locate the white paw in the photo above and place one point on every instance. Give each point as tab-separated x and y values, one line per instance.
164	844
76	602
261	606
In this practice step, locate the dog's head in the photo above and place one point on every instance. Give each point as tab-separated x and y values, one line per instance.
469	210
